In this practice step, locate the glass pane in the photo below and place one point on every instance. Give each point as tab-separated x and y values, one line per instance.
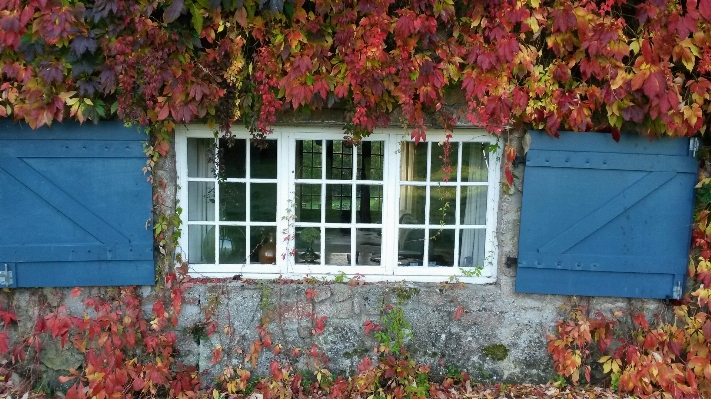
370	160
308	159
471	247
443	205
338	247
474	162
444	166
263	202
233	201
263	160
232	244
308	245
201	157
233	154
441	249
473	205
413	161
368	246
339	156
201	200
308	202
411	247
369	204
262	245
412	205
201	244
338	196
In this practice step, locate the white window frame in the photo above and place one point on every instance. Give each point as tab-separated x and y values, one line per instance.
389	269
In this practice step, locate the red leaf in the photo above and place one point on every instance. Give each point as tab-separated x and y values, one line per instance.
173	11
705	9
275	370
509	175
310	294
418	135
76	291
459	312
615	134
4	348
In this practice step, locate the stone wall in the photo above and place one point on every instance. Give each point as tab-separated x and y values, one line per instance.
499	336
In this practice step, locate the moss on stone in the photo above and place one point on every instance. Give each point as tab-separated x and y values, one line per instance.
497	352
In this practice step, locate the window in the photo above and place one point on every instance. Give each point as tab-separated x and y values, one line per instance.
383	208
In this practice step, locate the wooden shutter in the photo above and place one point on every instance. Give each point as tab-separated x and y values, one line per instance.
601	218
75	207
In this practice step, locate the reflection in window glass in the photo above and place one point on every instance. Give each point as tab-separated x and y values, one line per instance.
263	202
441	248
201	201
444	168
233	202
412	204
338	247
471	247
201	244
338	196
308	159
308	245
232	244
201	154
443	205
370	160
232	155
369	203
263	159
368	246
308	199
411	247
413	161
259	237
339	156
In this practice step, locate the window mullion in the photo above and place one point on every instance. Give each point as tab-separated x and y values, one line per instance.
322	228
458	209
428	193
216	222
286	150
391	204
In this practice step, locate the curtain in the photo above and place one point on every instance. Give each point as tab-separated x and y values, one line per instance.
201	201
472	242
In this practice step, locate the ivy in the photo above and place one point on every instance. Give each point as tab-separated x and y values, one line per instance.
609	65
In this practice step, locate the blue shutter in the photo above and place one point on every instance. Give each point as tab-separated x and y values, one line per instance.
74	206
601	218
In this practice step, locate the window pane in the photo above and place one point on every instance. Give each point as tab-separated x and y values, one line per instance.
201	244
441	248
340	160
471	247
233	201
411	247
369	204
368	246
474	163
233	154
263	202
308	202
443	205
413	161
308	245
232	244
338	196
473	205
370	160
262	243
201	201
308	159
263	160
338	247
444	167
412	205
201	157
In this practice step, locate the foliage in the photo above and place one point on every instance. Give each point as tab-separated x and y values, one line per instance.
644	357
550	64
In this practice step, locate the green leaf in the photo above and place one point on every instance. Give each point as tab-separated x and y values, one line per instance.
197	18
173	11
114	107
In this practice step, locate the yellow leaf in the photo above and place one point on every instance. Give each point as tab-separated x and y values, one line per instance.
215	394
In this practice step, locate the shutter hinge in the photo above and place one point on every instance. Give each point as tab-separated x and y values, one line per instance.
693	146
676	292
6	277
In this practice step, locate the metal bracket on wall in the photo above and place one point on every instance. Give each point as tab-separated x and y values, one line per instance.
6	276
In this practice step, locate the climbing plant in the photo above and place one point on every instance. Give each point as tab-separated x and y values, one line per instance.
551	64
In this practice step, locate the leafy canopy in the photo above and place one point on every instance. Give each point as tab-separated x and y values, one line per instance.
579	65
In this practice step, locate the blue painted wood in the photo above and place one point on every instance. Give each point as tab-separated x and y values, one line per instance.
75	207
613	222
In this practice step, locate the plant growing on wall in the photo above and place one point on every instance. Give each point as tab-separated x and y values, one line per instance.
580	65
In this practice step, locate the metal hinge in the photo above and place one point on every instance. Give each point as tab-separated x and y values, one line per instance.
693	146
676	292
6	277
